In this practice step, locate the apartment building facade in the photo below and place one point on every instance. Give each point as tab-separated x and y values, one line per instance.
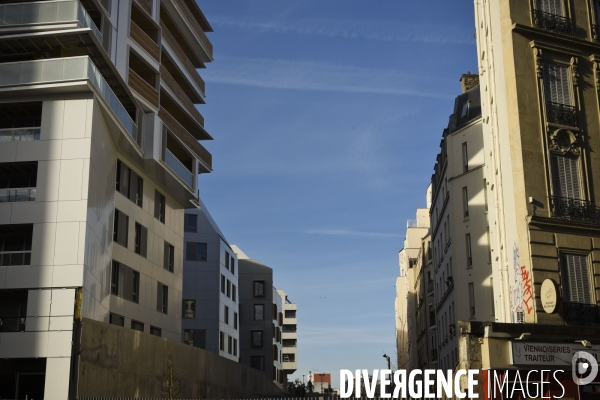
210	318
289	335
99	158
261	318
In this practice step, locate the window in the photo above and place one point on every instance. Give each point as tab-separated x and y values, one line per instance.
235	347
226	314
190	223
234	293
121	228
469	254
137	326
229	344
125	282
465	157
465	109
275	353
232	264
275	311
15	244
228	288
13	310
169	261
221	341
259	312
575	271
565	171
550	6
188	336
235	320
471	300
485	195
155	331
115	319
227	260
465	198
196	251
257	338
159	206
557	84
189	309
489	246
141	240
162	298
222	283
257	362
259	288
129	184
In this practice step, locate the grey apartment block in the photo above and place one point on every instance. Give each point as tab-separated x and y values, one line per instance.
99	157
289	334
210	289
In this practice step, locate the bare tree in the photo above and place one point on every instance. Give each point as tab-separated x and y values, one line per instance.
172	382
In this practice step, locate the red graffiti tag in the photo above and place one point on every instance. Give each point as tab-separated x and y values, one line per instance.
527	292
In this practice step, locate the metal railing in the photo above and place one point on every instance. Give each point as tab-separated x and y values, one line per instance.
561	114
19	134
574	209
8	258
16	195
47	12
581	314
553	23
66	69
179	169
12	324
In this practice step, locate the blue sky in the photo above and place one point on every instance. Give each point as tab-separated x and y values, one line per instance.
327	116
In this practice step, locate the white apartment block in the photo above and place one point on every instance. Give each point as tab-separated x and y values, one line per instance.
210	316
289	335
99	157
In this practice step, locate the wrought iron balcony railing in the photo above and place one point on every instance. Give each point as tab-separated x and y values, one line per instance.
574	209
581	314
561	114
553	23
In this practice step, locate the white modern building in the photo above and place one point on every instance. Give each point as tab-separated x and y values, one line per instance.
210	288
99	157
289	335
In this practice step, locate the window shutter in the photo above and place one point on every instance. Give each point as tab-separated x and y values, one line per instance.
566	177
557	84
551	6
190	254
576	274
144	242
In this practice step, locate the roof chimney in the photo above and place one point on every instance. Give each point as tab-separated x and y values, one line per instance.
469	81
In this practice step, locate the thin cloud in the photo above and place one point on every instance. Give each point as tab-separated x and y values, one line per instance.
346	232
302	75
321	336
387	31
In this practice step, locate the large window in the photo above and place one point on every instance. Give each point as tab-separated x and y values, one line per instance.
162	298
121	228
141	239
125	282
196	251
565	171
129	184
259	312
557	84
13	310
15	244
190	223
259	288
554	7
576	277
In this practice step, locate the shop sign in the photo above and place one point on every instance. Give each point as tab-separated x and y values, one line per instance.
548	354
549	296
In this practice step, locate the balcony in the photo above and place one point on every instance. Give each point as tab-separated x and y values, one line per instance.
181	98
179	169
15	244
581	314
66	70
46	12
561	114
144	40
17	195
574	210
553	23
19	134
146	90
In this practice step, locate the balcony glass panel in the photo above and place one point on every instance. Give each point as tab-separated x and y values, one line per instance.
47	12
66	69
19	134
15	195
179	169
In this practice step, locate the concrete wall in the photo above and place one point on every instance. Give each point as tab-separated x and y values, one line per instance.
122	362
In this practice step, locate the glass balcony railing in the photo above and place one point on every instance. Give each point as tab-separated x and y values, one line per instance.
179	169
47	12
15	195
19	134
63	70
15	257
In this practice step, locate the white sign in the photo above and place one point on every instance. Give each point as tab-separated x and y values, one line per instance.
541	353
549	296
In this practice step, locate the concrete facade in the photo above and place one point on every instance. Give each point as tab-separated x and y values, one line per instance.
289	335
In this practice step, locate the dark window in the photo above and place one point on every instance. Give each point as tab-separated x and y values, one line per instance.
141	240
235	320
136	325
228	288
257	362
129	184
169	262
188	336
222	283
235	345
275	311
257	338
196	251
232	264
125	282
234	293
468	248
155	331
465	196
159	206
577	278
190	223
465	157
226	314
565	171
21	115
189	309
259	312
116	319
229	344
15	244
221	341
13	310
557	84
259	288
121	228
227	260
162	298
